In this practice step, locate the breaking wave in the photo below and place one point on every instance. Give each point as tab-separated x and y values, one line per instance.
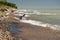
41	13
39	23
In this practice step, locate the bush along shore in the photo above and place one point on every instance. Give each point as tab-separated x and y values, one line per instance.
8	4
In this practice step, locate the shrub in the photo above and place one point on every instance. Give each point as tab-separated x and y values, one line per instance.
8	4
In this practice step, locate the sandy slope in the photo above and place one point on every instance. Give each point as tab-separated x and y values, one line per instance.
30	32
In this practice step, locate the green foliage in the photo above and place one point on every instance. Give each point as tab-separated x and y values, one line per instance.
3	0
8	4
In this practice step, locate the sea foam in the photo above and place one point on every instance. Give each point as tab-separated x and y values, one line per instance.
39	23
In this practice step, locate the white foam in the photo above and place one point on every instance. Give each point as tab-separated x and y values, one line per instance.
33	22
39	23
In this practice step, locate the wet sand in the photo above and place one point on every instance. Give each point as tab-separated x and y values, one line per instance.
31	32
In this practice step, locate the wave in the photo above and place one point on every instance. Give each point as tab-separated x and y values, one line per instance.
39	23
41	13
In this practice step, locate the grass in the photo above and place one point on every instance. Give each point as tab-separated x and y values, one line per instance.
2	13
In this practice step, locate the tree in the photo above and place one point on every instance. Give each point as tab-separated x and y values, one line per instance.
3	0
7	4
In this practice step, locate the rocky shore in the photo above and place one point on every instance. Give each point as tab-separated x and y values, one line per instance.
4	33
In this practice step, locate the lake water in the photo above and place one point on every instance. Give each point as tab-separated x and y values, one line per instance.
53	19
45	18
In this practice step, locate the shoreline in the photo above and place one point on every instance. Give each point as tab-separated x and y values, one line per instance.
40	23
31	32
27	24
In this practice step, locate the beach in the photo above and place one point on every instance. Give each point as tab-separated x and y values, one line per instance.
29	28
31	32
